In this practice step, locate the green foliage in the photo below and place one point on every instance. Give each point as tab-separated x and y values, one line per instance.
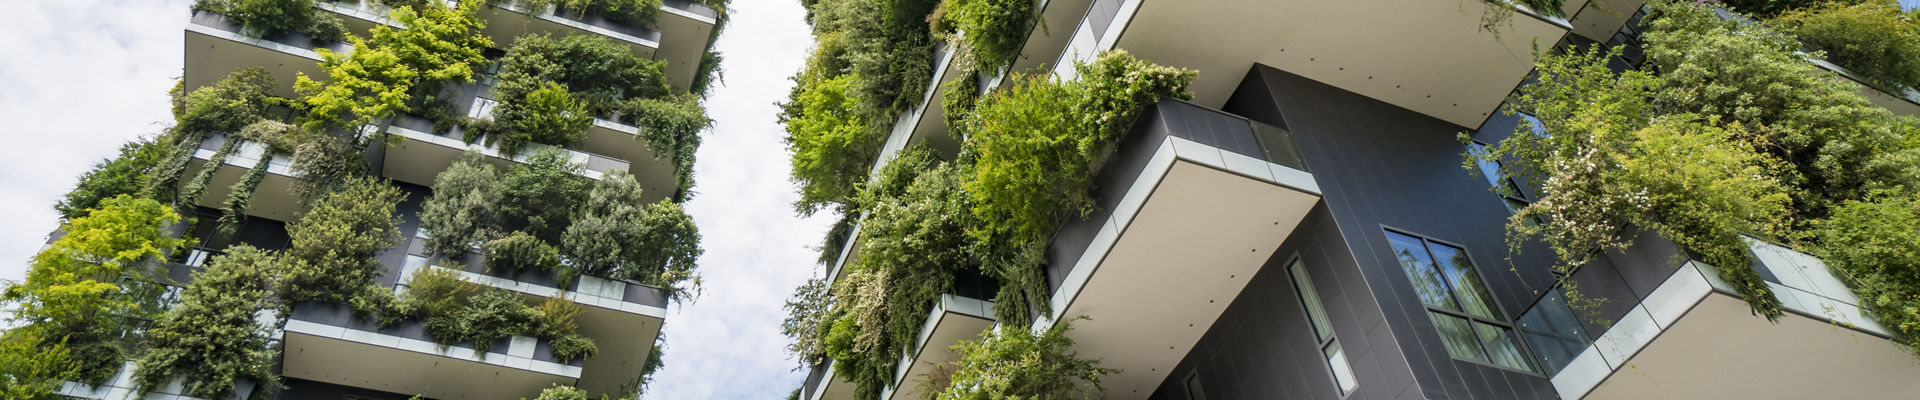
536	197
30	367
270	15
558	392
196	188
76	295
1032	168
551	88
518	251
546	115
226	106
326	27
124	174
1015	363
1839	145
632	12
240	195
618	235
334	245
437	291
959	100
1875	247
1875	39
211	338
671	127
378	304
437	46
832	146
325	163
1769	8
491	315
810	314
994	29
367	84
571	347
561	316
464	207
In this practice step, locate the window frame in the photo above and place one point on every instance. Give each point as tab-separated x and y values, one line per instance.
1328	340
1519	344
1191	383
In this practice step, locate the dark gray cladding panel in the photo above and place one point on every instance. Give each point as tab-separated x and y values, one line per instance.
301	389
1378	165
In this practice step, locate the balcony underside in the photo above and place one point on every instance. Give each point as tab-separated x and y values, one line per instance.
273	199
419	157
1599	19
684	29
653	169
411	368
212	53
622	328
1428	56
1720	350
832	387
506	23
1180	246
1047	38
954	319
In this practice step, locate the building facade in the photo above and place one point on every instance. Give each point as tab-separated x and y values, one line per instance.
331	350
1304	228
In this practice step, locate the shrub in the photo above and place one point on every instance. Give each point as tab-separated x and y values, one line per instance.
378	304
334	245
670	126
124	174
809	317
228	105
1875	40
617	235
595	72
558	392
832	146
464	207
270	15
538	196
74	295
491	315
325	27
211	338
994	29
31	367
1032	168
1875	247
547	115
434	292
518	251
1013	363
571	347
561	316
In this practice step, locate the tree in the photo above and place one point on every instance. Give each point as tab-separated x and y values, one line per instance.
78	292
1875	247
539	197
32	368
809	316
124	174
370	83
546	115
616	234
832	146
271	15
1873	39
464	208
211	338
1021	364
334	245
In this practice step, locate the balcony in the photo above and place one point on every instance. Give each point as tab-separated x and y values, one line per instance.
954	318
506	21
622	317
1691	336
652	168
1431	57
1190	206
326	343
926	124
273	199
216	46
684	28
420	156
821	384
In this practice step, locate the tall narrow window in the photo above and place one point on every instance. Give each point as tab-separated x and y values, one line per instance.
1470	324
1322	328
1194	391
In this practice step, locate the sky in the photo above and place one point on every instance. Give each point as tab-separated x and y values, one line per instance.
83	76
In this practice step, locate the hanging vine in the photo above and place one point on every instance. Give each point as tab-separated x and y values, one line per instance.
190	196
242	194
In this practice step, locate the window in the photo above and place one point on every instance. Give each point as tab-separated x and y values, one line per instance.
1552	331
1511	195
1322	328
1194	391
1470	324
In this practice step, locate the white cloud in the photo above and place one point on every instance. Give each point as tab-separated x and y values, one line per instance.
80	78
728	344
83	76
